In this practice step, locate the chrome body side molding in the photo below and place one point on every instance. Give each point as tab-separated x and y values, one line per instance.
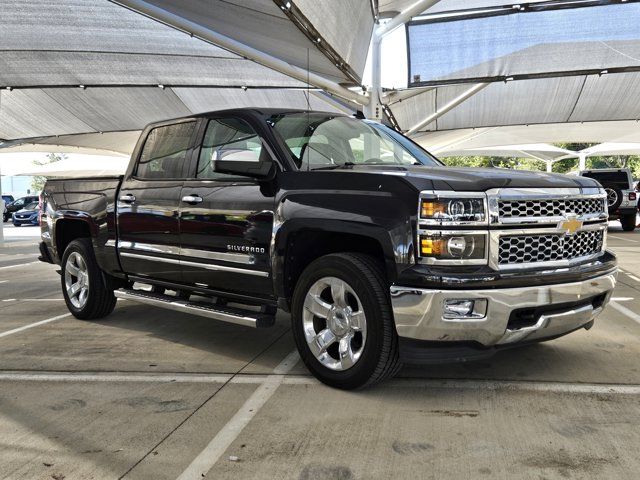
188	256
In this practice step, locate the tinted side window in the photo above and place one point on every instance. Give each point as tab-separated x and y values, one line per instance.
228	139
164	152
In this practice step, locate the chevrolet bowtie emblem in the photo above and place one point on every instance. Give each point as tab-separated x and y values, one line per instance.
570	226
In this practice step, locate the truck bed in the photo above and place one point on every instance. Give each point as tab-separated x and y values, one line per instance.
89	201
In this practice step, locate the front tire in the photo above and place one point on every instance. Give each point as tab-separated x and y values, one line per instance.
83	285
628	222
343	323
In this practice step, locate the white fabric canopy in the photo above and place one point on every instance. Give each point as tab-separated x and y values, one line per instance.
79	166
82	66
527	102
605	149
538	151
477	138
48	50
108	143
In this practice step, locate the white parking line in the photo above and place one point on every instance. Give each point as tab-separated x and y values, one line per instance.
19	265
624	239
31	325
625	311
549	387
225	437
34	300
120	377
629	274
17	256
486	385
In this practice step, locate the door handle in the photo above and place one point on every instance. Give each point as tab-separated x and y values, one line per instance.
127	198
192	199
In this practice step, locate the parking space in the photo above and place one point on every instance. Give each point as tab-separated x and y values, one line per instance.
149	393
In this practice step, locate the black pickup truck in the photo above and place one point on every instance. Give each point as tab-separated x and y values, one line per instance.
381	254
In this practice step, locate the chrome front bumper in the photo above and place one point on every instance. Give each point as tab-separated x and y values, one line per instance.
419	312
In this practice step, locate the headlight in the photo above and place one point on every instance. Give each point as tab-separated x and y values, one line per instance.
454	247
453	210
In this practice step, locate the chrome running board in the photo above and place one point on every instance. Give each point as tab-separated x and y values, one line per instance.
237	316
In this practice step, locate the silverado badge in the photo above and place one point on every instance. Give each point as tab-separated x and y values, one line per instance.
571	225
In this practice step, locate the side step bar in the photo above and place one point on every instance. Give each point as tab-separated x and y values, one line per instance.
238	316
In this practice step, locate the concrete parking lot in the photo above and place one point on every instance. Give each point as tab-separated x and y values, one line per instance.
152	394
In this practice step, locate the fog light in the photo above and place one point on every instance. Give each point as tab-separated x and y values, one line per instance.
464	309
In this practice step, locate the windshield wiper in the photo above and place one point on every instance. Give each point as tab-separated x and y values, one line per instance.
335	167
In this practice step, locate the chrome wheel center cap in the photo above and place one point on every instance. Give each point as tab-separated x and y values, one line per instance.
338	321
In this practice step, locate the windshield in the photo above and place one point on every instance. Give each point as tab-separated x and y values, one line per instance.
31	206
318	141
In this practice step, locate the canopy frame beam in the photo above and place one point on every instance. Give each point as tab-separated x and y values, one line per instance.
374	109
447	107
208	35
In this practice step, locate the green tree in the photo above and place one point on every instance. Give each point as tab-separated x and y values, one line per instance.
37	182
496	162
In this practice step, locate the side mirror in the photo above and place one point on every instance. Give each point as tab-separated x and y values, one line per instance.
243	162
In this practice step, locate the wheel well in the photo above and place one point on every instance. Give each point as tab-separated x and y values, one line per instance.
305	246
67	231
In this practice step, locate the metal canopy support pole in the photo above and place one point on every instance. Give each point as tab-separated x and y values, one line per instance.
208	35
374	108
448	107
582	162
405	15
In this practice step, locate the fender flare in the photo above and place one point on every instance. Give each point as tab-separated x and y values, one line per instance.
336	226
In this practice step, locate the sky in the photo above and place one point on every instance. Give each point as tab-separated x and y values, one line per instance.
394	60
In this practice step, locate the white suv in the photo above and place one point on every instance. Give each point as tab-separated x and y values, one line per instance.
622	199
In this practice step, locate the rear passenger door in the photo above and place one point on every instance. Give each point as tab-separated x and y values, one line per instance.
226	221
148	201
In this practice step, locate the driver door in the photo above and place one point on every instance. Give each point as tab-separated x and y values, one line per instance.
226	221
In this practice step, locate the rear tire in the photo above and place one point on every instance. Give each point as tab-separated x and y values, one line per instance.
628	223
353	353
85	292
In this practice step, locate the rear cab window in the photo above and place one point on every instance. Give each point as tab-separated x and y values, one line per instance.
164	155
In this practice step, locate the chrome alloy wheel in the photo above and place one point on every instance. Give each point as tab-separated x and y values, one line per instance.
76	280
334	323
612	196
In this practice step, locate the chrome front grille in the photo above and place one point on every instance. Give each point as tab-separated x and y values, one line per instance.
550	207
532	248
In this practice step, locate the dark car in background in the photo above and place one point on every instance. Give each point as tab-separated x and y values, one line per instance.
19	204
7	199
28	215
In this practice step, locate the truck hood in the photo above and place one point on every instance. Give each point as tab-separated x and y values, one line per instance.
478	179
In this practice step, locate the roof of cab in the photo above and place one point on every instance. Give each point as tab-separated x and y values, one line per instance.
263	112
